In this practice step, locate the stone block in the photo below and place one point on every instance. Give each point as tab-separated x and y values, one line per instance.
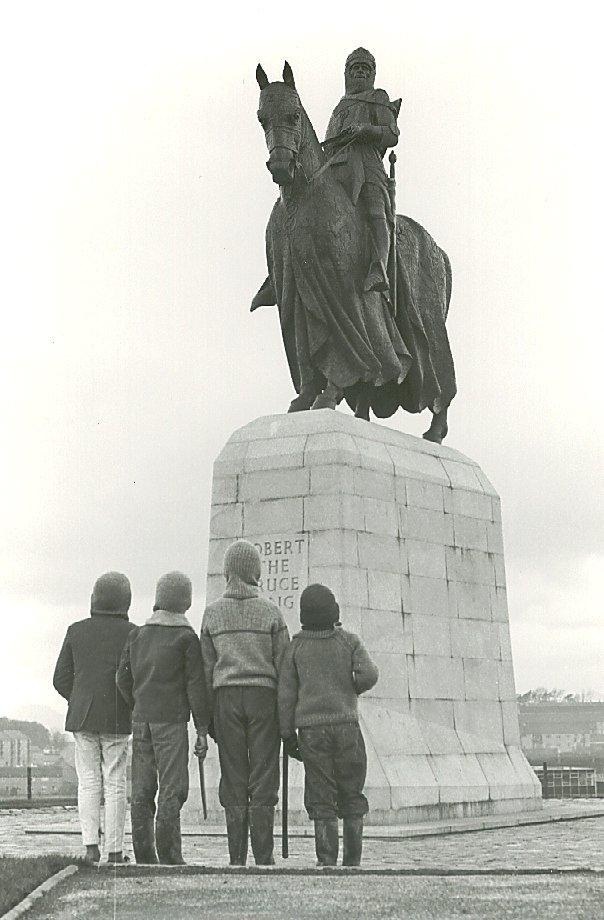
411	780
431	677
333	547
429	638
276	484
224	489
374	484
331	480
469	504
526	775
480	679
426	525
411	464
394	733
384	590
274	453
505	680
499	570
273	516
374	455
383	631
433	712
469	565
400	490
441	739
348	584
470	533
424	495
380	516
214	587
428	596
503	780
331	447
427	559
460	778
470	601
462	476
227	521
330	512
216	551
475	639
499	604
511	727
393	682
505	643
379	551
494	537
231	458
480	719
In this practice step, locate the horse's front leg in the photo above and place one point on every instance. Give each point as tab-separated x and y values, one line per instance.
438	429
329	398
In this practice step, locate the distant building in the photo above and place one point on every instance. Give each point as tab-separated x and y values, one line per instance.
15	749
562	727
55	780
567	782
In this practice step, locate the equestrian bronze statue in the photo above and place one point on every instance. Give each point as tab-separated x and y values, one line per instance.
363	293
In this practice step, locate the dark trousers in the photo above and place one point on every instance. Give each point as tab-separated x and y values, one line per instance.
247	732
335	767
160	758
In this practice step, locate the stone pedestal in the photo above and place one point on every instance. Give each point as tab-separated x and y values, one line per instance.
408	536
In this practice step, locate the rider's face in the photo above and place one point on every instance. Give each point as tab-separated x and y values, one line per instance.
360	70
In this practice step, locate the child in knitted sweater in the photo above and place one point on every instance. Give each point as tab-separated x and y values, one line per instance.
323	671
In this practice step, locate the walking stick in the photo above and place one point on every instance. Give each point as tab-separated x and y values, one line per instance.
392	196
284	809
202	786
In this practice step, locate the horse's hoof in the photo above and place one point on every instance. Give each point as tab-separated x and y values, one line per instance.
362	412
437	437
324	402
300	404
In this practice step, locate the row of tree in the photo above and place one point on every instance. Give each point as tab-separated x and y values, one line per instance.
543	695
39	736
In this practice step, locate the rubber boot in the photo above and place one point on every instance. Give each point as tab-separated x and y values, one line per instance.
143	835
326	842
262	819
353	840
169	844
237	833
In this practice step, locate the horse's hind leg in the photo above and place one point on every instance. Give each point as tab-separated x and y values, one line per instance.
363	402
438	429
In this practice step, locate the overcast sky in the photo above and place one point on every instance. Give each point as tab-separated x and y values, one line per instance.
134	202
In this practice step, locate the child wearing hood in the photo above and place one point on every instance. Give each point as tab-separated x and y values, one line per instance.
323	672
243	637
161	678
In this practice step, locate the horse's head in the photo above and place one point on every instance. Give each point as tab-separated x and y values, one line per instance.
280	114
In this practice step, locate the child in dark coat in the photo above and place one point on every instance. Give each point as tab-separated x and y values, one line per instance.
161	677
97	715
323	671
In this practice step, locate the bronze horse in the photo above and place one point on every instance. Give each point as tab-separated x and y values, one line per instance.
341	341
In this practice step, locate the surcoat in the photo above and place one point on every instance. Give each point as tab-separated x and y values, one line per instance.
362	161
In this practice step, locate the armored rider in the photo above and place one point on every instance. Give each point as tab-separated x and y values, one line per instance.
360	130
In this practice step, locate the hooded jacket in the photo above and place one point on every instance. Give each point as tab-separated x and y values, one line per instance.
243	636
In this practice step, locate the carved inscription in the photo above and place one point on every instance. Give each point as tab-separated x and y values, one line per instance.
284	568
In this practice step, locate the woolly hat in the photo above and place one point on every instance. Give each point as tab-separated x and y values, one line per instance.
111	594
243	560
174	593
318	607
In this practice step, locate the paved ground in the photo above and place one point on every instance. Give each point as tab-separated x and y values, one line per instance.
110	896
576	844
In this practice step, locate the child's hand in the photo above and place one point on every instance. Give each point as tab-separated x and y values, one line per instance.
201	746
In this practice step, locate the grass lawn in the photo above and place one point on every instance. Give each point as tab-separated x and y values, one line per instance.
18	877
